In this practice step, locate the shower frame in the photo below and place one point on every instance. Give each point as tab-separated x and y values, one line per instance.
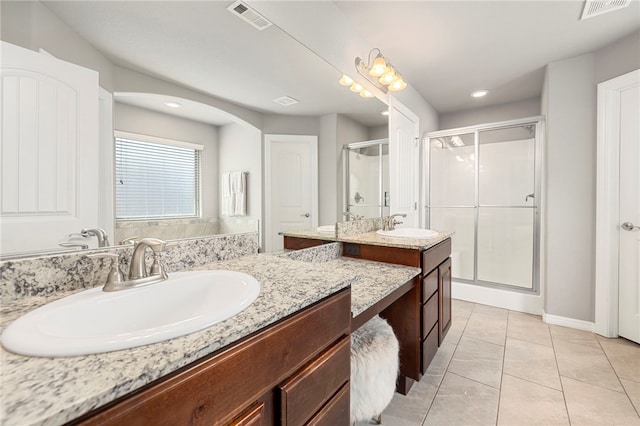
538	123
346	172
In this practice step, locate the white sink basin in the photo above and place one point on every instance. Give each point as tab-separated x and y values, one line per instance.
326	228
94	321
408	233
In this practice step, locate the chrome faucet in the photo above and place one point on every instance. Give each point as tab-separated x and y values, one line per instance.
390	222
99	233
139	275
351	216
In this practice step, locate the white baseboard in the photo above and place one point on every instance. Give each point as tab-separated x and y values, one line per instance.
568	322
513	300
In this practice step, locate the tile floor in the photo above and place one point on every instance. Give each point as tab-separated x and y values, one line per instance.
500	367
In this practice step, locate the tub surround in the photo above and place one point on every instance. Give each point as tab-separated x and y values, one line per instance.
54	391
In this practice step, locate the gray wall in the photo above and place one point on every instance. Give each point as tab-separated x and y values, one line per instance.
569	103
570	188
240	148
490	114
132	119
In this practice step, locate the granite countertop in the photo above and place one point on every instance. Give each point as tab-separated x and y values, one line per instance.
38	391
312	234
372	238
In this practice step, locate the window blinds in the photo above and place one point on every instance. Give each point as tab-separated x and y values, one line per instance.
156	180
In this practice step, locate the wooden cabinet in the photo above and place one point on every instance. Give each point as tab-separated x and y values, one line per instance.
244	384
420	318
444	300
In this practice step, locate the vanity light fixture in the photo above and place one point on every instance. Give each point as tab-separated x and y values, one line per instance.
380	72
173	104
479	93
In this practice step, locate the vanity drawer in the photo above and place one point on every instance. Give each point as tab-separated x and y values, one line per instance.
429	285
429	314
336	412
310	388
429	348
435	255
250	369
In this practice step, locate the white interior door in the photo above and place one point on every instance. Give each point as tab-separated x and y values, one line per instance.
49	150
629	258
291	186
404	157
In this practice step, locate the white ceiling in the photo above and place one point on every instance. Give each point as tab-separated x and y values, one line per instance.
444	49
447	49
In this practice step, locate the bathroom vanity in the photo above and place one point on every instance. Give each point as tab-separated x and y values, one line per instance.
421	316
283	360
284	373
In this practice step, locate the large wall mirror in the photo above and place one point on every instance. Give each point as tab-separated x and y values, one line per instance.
143	54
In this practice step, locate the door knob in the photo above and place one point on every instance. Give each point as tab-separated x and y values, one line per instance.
528	196
305	215
628	226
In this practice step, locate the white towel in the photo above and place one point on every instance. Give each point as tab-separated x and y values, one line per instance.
234	194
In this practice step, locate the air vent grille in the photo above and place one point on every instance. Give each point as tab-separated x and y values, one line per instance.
598	7
249	15
286	101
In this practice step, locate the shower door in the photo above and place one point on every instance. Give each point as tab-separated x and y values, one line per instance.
366	175
482	184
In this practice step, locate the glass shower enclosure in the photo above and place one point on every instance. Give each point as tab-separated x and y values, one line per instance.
366	178
482	184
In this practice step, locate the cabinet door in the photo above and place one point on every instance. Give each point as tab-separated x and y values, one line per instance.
444	293
253	416
335	412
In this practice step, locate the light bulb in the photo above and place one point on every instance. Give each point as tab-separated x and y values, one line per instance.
398	85
379	66
355	87
366	94
389	77
346	80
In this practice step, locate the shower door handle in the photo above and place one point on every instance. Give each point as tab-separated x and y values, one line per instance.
528	196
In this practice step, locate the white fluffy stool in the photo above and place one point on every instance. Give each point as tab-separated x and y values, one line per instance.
374	369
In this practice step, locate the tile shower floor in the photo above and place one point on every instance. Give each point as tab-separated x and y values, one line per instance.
500	367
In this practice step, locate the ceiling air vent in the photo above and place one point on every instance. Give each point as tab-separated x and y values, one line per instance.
243	11
598	7
286	101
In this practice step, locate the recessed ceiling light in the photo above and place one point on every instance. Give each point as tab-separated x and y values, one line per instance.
479	93
385	113
172	104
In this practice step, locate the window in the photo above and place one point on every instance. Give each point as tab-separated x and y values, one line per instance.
156	178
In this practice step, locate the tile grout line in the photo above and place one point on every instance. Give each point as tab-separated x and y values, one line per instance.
555	357
446	370
617	376
504	355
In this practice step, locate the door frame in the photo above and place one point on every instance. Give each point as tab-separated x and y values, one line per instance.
269	140
607	201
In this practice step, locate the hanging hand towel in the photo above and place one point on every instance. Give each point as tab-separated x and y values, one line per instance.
234	195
